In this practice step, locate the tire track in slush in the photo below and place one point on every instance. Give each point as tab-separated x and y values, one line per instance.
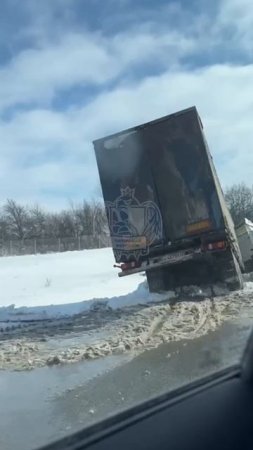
131	329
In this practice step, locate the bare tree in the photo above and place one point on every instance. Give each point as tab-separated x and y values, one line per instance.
75	217
85	214
17	219
100	225
4	231
66	224
239	198
20	222
52	228
37	222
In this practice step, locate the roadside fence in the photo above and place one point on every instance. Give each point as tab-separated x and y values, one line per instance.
52	245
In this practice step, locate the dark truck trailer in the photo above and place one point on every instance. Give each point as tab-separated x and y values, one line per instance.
166	210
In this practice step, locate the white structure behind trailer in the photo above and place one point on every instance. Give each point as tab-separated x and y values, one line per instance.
245	238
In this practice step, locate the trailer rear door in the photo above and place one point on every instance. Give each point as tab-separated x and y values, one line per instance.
182	176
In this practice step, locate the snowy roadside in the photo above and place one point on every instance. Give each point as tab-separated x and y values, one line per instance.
13	314
63	308
61	285
53	286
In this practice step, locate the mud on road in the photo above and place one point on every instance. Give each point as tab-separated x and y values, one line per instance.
104	331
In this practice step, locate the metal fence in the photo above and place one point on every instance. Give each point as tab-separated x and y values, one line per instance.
52	245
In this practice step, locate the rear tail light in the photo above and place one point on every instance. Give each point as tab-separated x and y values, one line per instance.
130	265
220	245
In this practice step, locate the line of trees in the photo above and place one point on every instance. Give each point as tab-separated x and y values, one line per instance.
239	198
21	222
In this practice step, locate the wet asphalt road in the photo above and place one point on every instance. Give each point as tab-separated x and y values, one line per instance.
46	404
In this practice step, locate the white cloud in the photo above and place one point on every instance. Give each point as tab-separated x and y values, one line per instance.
237	13
223	95
47	155
37	75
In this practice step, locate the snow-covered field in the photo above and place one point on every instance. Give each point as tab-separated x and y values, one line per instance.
64	284
37	287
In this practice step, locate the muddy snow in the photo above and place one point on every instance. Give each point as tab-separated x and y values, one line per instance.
103	331
65	307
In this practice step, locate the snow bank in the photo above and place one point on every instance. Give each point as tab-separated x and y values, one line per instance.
64	284
45	287
249	223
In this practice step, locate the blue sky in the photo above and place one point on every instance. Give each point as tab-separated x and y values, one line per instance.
74	70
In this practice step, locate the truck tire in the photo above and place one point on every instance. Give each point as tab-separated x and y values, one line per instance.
155	279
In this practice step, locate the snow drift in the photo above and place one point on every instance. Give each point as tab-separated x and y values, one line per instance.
54	286
40	287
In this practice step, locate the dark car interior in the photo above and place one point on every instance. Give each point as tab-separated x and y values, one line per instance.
215	412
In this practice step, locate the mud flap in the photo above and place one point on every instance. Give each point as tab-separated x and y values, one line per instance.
232	274
155	279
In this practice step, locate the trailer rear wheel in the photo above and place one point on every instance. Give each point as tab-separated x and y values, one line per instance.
235	280
230	271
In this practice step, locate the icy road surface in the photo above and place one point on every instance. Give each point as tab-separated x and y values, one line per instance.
121	338
104	331
65	399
